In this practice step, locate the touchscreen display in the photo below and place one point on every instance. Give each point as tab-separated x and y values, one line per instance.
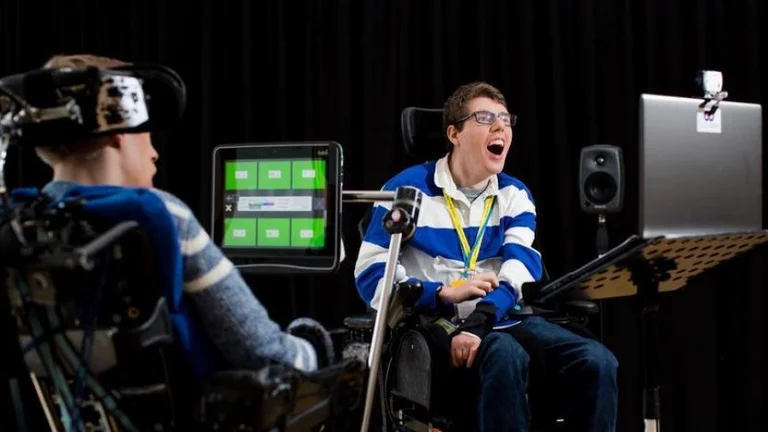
278	204
274	203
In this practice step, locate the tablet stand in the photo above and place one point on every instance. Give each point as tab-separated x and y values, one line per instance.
400	223
645	268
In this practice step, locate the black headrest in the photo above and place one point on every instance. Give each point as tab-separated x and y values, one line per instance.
423	134
81	103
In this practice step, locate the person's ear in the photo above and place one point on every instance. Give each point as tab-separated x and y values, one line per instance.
115	141
453	134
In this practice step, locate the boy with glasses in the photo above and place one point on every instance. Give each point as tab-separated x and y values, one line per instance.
472	252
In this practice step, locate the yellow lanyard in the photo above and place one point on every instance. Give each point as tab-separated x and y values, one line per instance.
470	255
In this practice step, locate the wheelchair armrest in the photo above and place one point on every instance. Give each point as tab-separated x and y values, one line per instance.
403	304
364	321
582	307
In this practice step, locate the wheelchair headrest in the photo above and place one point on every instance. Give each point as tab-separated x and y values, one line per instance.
45	106
423	133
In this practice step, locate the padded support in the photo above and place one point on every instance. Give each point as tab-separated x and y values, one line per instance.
423	133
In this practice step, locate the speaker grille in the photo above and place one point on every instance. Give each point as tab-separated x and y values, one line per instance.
600	187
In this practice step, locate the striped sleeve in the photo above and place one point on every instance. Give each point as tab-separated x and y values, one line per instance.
372	259
521	263
237	323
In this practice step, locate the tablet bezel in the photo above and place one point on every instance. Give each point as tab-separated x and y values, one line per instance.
281	260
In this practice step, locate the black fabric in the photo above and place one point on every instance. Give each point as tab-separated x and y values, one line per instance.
344	70
480	321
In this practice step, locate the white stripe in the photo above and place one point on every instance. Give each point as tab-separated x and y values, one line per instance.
304	349
368	255
298	362
177	210
191	247
517	201
434	212
400	276
214	275
515	272
520	235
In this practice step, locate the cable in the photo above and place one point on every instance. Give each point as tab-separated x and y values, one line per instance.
66	350
101	394
87	343
46	356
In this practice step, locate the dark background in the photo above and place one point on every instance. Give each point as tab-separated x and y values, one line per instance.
343	70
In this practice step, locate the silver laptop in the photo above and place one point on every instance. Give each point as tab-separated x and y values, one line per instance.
699	175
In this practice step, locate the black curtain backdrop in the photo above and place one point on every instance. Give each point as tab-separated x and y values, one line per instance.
343	70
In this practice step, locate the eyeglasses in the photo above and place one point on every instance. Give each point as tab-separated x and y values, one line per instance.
488	118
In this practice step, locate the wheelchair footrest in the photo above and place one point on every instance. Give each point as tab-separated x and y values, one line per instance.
410	416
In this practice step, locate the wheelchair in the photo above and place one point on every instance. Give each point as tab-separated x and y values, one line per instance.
95	326
409	394
107	345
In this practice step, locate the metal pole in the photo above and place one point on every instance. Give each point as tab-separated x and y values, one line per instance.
368	196
402	219
4	141
379	327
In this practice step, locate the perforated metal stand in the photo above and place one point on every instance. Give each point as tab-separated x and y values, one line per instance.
646	275
644	269
655	266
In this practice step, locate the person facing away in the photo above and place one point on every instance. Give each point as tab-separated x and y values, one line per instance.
235	321
472	252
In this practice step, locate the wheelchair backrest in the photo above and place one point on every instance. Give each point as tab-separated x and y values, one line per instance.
423	133
97	276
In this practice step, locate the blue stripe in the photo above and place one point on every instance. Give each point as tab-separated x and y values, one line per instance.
506	180
367	280
419	176
504	298
526	255
526	220
375	233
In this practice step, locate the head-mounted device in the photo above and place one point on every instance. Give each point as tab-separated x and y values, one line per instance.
48	106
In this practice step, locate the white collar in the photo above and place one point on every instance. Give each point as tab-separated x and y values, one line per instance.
444	180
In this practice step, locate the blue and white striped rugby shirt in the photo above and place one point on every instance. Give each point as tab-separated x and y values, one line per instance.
434	255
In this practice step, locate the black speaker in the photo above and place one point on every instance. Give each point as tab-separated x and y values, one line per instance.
601	179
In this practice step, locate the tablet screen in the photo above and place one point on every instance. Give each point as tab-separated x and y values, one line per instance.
278	204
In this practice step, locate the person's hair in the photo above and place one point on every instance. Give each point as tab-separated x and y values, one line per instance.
455	106
84	149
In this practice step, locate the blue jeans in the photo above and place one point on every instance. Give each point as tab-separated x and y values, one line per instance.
583	370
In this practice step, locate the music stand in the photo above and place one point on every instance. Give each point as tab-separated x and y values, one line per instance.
645	268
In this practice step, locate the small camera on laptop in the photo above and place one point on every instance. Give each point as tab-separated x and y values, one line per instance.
712	83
